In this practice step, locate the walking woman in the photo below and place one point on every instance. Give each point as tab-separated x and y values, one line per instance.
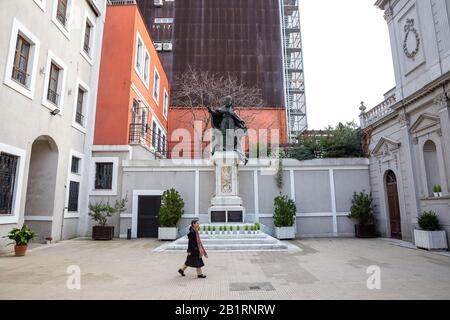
195	251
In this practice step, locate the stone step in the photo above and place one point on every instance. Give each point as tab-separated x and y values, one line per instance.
232	247
234	236
231	241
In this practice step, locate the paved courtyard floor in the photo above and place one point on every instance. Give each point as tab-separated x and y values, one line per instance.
323	269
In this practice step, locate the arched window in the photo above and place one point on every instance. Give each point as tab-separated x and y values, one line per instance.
431	165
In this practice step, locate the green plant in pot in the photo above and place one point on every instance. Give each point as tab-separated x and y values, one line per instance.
362	211
284	217
171	211
428	221
437	191
21	237
100	212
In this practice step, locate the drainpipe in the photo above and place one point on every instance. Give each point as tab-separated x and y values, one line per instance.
62	222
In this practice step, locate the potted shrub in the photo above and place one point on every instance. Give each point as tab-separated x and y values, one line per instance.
100	213
48	240
171	211
238	229
437	191
214	229
246	229
21	237
362	211
284	218
430	236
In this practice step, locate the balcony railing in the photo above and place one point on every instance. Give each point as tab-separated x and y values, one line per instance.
20	76
142	135
79	118
87	49
379	112
62	18
53	97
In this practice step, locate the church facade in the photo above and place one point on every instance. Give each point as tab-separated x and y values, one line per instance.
408	135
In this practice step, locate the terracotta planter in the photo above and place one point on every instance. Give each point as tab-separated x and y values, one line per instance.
365	231
102	232
20	250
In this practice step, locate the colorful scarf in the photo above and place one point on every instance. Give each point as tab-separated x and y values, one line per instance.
201	249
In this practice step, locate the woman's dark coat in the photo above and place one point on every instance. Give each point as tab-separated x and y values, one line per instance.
193	259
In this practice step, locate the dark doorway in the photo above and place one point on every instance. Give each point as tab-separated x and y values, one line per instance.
148	216
394	207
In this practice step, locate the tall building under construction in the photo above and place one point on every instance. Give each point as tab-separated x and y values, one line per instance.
258	41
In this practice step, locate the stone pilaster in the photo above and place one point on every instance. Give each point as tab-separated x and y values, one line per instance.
443	104
407	146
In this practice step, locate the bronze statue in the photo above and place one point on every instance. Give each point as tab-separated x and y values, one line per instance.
229	124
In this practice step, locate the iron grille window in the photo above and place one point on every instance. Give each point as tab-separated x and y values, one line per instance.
75	168
79	118
52	94
87	38
154	135
103	175
8	167
21	61
61	13
74	191
159	140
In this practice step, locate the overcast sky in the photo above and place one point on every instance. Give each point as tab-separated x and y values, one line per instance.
347	59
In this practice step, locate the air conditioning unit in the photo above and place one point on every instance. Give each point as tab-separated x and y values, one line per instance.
158	3
158	46
167	46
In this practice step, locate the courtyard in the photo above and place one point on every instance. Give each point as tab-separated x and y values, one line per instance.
321	269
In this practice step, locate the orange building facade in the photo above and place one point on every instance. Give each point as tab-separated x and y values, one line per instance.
265	124
134	92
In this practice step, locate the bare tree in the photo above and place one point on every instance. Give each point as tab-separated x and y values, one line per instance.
196	89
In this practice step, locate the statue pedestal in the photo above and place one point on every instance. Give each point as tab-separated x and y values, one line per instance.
226	206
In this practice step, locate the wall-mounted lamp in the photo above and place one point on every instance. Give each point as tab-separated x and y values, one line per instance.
55	112
42	71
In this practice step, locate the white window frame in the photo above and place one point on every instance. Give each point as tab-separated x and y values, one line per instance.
19	29
149	107
64	29
96	192
88	20
158	84
21	153
52	58
165	104
138	58
41	4
83	86
76	177
146	69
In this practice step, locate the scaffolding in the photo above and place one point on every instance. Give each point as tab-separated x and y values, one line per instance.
294	80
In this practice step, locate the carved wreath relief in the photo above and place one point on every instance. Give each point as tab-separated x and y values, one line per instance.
411	31
226	180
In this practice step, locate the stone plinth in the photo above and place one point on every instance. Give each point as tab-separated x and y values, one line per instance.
226	205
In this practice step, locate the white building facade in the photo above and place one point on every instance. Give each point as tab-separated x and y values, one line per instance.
50	57
408	135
